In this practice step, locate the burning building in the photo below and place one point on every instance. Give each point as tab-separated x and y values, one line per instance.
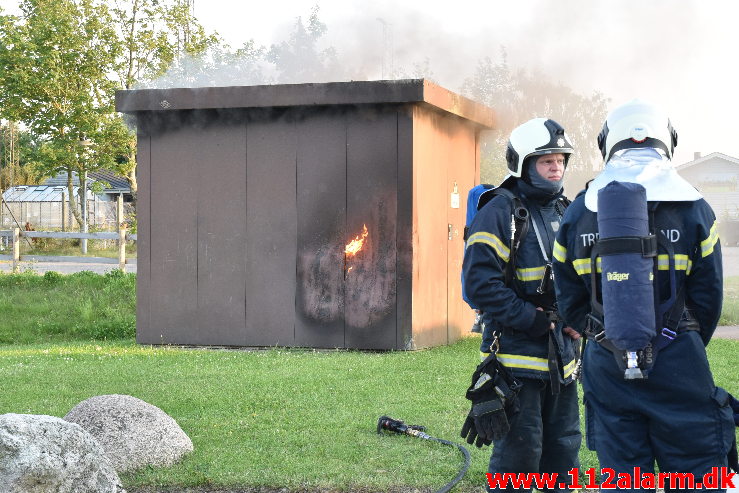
315	215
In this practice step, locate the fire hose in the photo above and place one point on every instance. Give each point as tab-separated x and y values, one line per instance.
397	426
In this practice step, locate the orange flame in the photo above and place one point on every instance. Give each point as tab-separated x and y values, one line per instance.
357	243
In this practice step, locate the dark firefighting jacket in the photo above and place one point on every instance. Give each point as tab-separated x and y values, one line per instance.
690	227
512	308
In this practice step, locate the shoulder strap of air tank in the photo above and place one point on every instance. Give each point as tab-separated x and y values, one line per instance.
561	205
670	310
519	228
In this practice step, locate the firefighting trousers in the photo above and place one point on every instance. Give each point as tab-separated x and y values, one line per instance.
544	436
677	417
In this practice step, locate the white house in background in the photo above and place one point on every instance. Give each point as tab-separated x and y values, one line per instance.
716	176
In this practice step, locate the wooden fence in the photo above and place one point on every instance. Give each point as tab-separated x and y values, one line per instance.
16	234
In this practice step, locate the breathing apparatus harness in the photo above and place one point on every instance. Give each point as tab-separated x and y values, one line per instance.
520	220
387	423
670	314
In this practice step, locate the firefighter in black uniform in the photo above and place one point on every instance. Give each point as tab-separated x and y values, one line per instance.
520	310
675	416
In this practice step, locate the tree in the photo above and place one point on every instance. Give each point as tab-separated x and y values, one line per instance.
517	96
57	57
18	153
154	37
299	59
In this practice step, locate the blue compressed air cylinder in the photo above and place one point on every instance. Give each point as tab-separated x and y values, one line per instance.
627	287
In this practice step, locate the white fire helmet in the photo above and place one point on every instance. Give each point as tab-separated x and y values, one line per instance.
647	140
635	125
535	138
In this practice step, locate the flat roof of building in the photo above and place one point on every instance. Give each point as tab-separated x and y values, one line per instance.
313	94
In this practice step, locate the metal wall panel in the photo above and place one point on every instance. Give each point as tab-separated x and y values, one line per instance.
321	205
370	304
174	184
430	234
220	159
460	166
145	333
271	231
404	235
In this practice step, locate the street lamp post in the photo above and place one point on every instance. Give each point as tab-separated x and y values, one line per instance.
85	143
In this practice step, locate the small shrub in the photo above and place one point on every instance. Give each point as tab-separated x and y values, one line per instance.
52	277
115	274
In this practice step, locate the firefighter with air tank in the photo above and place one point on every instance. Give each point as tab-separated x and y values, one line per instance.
638	270
523	397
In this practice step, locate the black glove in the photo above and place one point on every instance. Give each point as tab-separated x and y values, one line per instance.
541	325
493	394
469	432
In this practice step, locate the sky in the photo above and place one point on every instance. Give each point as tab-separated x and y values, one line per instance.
679	54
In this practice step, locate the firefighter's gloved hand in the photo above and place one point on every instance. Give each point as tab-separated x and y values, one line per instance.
541	326
494	400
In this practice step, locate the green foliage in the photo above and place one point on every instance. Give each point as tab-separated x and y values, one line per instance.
52	277
57	57
730	310
519	95
19	151
54	307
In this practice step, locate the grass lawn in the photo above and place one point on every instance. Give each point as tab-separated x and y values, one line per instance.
54	307
273	418
281	418
730	312
71	248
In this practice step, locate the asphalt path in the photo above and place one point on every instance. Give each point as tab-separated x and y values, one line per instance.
64	267
731	261
730	257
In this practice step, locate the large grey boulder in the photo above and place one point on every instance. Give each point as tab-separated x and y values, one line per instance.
133	433
45	454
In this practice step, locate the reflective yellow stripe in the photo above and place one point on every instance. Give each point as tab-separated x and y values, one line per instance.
527	362
569	368
559	252
492	241
708	244
582	265
530	274
682	262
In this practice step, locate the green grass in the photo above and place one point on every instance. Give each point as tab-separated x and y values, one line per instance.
274	418
281	418
55	307
730	311
71	248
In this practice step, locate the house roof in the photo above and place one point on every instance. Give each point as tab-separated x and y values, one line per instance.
39	193
118	184
709	157
351	93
